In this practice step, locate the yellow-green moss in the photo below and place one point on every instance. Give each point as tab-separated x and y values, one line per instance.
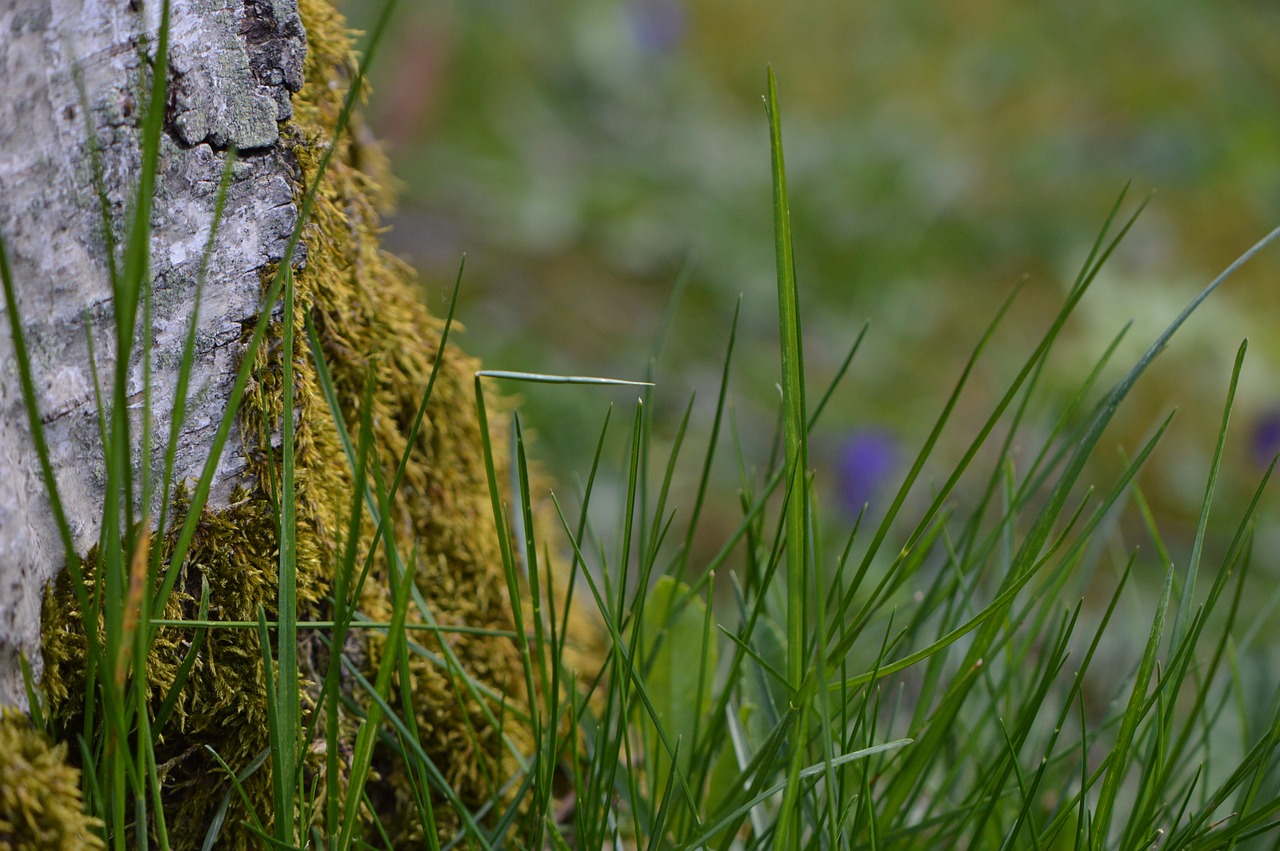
223	704
369	320
40	806
365	309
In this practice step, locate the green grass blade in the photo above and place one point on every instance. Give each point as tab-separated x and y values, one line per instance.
22	359
281	795
816	770
1107	408
705	478
628	667
1181	620
237	786
362	756
343	611
1120	753
188	661
377	695
540	378
186	361
287	683
793	396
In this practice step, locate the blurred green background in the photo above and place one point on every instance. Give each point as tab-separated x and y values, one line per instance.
580	151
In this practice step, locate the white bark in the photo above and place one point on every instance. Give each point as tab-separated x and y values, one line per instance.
234	64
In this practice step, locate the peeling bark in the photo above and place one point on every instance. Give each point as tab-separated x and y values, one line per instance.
234	65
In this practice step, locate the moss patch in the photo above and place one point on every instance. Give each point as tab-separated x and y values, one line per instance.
39	793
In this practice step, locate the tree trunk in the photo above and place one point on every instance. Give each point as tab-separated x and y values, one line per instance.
234	65
239	70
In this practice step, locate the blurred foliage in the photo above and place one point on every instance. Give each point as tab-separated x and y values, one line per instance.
580	150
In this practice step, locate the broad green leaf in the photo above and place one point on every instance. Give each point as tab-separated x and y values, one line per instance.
676	662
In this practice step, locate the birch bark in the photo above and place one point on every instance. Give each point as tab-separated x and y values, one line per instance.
234	65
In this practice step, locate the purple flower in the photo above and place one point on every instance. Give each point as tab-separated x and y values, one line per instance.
657	25
1266	437
867	459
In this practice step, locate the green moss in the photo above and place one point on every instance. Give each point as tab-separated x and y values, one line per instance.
370	322
223	704
40	806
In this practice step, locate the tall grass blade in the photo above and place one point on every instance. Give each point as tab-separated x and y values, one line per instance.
287	683
1133	714
793	396
362	755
